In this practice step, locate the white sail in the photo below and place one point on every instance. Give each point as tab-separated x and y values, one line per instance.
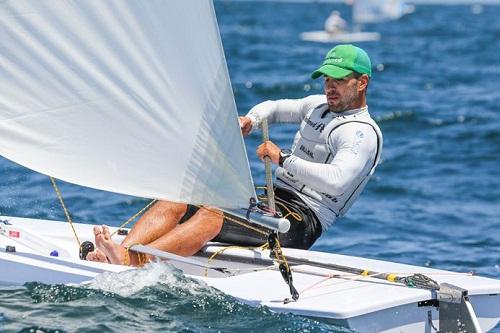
122	95
372	11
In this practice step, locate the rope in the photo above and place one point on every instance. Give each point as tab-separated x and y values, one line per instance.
280	257
142	258
134	216
218	252
295	215
359	277
279	253
68	217
268	168
283	267
328	277
70	221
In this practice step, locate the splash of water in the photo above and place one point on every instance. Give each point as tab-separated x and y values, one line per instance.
132	281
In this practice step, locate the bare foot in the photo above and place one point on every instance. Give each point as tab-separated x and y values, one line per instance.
114	252
97	255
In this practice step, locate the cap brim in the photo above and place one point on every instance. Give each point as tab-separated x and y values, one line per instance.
332	71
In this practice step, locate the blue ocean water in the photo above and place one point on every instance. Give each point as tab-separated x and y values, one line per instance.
434	200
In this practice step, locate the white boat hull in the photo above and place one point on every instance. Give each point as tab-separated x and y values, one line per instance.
345	37
360	303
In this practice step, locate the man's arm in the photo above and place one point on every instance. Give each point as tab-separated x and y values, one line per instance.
355	147
279	111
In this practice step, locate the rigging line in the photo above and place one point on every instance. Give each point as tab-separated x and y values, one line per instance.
70	221
268	168
417	280
171	256
345	277
296	215
250	269
216	253
275	247
142	259
134	216
353	276
356	277
66	212
316	283
283	266
279	250
145	251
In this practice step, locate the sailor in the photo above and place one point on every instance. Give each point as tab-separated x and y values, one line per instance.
335	24
337	148
333	156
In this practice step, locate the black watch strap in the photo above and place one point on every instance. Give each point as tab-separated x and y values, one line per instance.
284	154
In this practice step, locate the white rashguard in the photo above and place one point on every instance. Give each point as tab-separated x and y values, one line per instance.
333	154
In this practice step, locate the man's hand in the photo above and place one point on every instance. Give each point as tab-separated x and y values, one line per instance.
245	125
268	148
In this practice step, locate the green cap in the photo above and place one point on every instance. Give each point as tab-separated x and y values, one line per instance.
342	60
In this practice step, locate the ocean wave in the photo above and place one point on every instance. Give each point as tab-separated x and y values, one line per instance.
157	297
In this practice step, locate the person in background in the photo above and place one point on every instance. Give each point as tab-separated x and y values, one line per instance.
335	24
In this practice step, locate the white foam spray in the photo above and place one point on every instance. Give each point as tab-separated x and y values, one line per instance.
131	281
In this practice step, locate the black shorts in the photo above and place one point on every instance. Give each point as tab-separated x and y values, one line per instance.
302	234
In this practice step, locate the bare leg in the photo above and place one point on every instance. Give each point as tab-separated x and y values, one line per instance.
185	239
188	238
157	221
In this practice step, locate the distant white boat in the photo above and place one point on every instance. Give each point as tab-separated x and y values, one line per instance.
363	12
322	36
373	11
335	31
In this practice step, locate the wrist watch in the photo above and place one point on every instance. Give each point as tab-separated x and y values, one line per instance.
284	154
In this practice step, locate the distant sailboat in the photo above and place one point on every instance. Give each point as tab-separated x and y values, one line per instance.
336	33
374	11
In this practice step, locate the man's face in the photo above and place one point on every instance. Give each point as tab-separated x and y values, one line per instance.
342	94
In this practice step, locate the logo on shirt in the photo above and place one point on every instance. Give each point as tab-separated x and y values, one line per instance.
307	151
318	126
331	198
